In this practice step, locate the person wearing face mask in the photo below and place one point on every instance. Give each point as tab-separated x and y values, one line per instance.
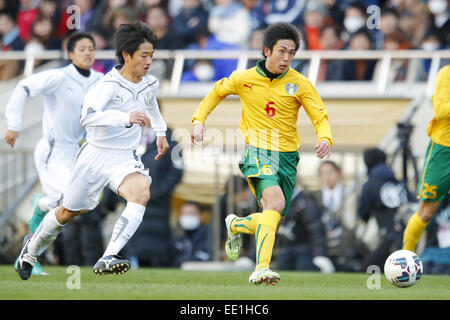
355	17
432	41
193	242
440	10
202	70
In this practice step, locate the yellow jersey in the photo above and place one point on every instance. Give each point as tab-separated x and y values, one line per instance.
439	127
269	108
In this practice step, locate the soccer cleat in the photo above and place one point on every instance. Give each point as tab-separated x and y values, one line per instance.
264	275
37	268
112	264
233	243
25	261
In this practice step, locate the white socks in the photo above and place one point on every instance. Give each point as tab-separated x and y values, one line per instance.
45	234
125	227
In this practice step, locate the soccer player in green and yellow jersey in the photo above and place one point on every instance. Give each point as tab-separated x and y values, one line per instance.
435	179
271	94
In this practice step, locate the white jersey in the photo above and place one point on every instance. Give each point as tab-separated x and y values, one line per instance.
63	90
107	107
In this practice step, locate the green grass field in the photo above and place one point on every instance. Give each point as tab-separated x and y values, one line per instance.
174	284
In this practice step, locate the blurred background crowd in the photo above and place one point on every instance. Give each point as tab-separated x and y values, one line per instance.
235	24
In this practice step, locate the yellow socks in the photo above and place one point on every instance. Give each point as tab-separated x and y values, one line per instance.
263	225
265	237
246	224
413	231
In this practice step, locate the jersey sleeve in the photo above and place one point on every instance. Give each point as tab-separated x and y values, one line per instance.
46	83
316	111
220	91
94	114
153	113
441	96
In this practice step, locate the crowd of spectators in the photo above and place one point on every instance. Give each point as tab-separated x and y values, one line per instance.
236	24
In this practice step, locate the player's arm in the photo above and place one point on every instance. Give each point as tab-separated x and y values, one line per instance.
40	83
220	91
159	125
94	114
317	113
441	96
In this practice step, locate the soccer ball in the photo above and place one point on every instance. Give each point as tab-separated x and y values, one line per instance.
403	268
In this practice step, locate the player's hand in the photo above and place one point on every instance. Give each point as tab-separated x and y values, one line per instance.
198	133
147	122
323	150
11	137
139	118
163	146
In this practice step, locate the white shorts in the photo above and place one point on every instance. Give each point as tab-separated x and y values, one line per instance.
54	163
94	169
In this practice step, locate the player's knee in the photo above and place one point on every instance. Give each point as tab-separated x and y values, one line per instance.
64	215
274	201
140	195
427	210
277	205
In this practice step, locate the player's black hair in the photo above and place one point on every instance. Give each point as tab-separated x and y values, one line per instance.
280	31
130	36
77	36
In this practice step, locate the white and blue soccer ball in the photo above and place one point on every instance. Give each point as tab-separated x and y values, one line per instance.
403	268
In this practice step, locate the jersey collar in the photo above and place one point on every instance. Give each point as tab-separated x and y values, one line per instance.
261	72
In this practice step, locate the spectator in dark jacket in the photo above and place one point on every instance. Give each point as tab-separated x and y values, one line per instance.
194	242
359	70
381	195
152	244
190	21
302	237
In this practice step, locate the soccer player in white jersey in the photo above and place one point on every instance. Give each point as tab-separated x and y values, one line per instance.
63	90
114	111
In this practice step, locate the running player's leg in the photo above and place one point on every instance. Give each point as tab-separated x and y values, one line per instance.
51	161
44	236
135	189
417	224
433	187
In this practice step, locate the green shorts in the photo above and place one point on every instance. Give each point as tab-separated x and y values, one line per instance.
265	168
434	184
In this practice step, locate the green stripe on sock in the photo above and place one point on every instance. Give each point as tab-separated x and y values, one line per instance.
257	233
245	218
241	225
260	246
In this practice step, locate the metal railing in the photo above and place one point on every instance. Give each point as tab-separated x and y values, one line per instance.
244	56
16	171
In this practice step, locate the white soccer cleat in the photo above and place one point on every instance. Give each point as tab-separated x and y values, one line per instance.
233	243
112	264
25	261
264	275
